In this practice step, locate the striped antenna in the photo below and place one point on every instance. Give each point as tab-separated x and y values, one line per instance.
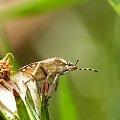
90	69
76	62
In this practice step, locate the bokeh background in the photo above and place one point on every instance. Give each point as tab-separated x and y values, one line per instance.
71	29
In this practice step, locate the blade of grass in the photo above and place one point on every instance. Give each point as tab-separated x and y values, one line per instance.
33	7
21	109
116	5
66	103
31	106
44	109
2	116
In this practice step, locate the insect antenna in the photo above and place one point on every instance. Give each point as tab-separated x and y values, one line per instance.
90	69
76	62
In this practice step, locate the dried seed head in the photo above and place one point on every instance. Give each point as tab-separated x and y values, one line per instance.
5	68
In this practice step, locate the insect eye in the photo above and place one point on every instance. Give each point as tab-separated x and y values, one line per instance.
68	63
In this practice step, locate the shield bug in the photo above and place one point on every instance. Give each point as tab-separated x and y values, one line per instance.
48	71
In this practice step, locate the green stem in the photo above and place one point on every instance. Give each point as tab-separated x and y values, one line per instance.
44	108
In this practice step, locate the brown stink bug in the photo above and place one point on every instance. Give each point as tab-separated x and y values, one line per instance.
48	71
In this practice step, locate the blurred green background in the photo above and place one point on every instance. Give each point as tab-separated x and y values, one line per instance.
71	29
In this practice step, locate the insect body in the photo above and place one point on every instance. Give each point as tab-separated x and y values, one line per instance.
49	71
50	67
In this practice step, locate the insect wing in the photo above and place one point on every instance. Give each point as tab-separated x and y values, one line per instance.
32	71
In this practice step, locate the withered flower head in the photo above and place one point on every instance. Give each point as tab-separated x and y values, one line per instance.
5	71
5	68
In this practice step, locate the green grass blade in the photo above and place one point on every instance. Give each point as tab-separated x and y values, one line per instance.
116	5
33	7
66	105
44	109
3	116
21	109
31	106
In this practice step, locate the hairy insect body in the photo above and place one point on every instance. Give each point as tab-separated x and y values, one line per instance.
47	68
48	71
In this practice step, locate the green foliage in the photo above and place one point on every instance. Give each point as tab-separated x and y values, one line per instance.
66	101
30	106
44	109
3	116
116	5
21	109
34	7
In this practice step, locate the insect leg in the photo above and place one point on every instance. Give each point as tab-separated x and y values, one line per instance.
53	86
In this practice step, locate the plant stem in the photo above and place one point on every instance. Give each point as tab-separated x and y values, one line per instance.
44	108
